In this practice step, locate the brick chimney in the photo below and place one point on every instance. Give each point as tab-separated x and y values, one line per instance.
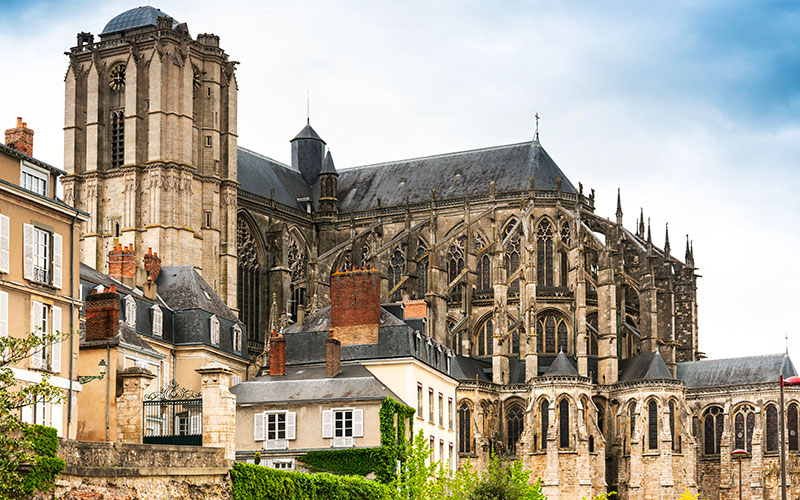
152	268
333	357
122	264
20	138
356	306
277	355
102	314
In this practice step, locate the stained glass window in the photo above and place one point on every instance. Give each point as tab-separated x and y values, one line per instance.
544	254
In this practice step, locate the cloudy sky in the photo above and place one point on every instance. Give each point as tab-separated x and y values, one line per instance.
691	108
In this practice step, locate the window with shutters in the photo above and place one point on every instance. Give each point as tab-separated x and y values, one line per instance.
419	400
430	405
237	338
441	410
450	413
5	244
343	425
130	311
158	319
214	327
41	255
652	425
3	317
46	320
772	428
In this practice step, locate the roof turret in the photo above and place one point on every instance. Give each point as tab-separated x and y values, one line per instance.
308	133
327	165
135	18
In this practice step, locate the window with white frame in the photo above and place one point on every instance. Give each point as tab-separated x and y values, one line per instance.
343	425
130	311
214	324
158	321
283	464
237	338
33	179
46	320
237	379
275	429
5	244
42	255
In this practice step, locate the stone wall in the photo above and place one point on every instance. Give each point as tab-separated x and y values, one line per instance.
153	472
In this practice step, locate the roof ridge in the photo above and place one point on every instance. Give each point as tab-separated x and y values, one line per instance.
277	162
441	155
738	357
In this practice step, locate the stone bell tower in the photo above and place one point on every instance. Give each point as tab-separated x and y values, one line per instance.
150	145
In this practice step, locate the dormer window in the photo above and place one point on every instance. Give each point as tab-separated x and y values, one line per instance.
237	338
130	311
214	324
33	179
158	321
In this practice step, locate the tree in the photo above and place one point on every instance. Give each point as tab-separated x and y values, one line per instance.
28	458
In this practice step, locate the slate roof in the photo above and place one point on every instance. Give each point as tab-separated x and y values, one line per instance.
736	371
465	368
258	173
561	366
320	321
510	167
304	384
645	366
327	165
183	289
135	18
30	159
308	133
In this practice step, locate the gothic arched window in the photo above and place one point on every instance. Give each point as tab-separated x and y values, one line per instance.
713	420
422	268
485	339
772	428
601	422
515	338
116	83
544	420
591	335
248	287
793	423
632	421
563	423
344	262
676	440
565	235
544	254
397	265
515	423
511	256
455	263
552	333
484	269
564	265
297	273
464	429
744	422
652	425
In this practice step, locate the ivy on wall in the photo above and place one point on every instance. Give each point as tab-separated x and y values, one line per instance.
45	464
395	417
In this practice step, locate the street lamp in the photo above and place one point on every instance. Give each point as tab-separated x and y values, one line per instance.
740	454
101	366
788	381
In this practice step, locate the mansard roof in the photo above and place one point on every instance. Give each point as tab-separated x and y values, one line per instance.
736	371
510	167
561	366
258	173
135	18
644	366
183	289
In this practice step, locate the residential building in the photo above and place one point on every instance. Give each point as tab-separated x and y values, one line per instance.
39	275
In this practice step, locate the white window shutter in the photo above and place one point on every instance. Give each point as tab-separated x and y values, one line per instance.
258	426
290	425
27	414
358	423
3	314
327	424
195	424
55	349
27	236
165	374
57	418
5	235
57	252
37	357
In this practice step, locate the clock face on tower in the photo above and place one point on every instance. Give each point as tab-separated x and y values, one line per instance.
116	79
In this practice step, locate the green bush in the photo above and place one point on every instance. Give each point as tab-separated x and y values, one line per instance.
350	462
253	482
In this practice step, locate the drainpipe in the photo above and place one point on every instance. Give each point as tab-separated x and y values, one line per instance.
71	318
108	383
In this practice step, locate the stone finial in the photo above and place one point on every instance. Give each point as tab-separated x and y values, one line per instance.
619	208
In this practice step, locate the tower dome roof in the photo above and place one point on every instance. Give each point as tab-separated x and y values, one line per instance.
135	18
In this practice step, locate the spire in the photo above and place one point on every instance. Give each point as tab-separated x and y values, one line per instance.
641	222
327	164
666	242
649	238
688	255
619	208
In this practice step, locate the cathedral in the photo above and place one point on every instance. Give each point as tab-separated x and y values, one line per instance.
574	338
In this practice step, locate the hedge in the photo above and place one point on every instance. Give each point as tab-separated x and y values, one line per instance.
350	462
254	482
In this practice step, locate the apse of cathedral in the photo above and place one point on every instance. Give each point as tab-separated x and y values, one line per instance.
574	337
